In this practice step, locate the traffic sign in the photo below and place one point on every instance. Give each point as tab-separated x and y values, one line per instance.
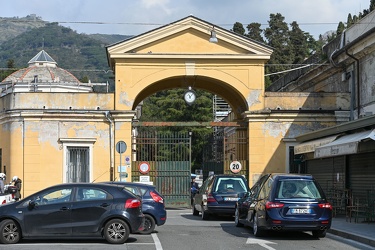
235	167
121	147
144	167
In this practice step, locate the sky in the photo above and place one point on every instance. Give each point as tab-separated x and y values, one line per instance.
134	17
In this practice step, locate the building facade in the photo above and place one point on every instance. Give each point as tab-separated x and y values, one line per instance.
55	129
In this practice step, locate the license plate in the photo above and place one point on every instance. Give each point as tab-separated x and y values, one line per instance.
300	211
230	199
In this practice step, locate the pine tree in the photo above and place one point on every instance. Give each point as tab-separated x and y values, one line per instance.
238	28
277	35
255	32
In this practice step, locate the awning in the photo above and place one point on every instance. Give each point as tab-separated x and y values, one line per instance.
308	147
347	144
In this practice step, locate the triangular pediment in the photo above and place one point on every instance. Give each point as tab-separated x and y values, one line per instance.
188	36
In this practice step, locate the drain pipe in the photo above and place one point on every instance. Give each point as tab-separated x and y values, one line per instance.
111	143
355	87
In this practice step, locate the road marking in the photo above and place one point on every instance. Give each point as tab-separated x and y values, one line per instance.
157	241
262	243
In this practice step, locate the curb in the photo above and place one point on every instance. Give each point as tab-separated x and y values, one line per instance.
355	237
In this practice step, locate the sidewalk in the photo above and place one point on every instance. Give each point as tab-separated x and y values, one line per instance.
362	231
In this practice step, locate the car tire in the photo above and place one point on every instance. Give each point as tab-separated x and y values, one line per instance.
10	232
237	218
195	211
256	230
116	231
319	233
205	215
149	225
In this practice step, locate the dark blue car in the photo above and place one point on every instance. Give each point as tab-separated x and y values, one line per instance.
153	205
282	202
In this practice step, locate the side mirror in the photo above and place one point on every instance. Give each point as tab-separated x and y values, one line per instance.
241	195
32	204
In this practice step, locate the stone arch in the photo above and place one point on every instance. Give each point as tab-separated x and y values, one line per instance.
228	89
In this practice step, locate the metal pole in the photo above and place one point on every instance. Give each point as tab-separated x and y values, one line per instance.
190	134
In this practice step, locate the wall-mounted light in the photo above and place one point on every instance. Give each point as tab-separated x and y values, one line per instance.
213	38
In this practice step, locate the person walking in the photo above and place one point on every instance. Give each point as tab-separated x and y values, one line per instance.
18	184
2	181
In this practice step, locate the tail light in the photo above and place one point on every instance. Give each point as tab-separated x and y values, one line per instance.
4	201
210	198
270	205
12	196
132	203
325	205
156	197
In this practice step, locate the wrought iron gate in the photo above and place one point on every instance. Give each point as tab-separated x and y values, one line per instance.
223	148
169	157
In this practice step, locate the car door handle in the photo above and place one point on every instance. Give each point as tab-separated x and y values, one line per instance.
104	205
64	208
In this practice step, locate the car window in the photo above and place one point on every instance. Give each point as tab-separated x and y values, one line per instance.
134	190
297	188
266	189
54	196
230	184
84	194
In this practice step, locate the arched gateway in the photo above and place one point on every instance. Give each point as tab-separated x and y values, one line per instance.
179	55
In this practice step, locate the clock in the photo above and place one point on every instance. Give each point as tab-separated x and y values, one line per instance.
190	96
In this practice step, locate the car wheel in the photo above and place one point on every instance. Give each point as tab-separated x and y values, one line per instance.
116	231
319	233
256	230
205	215
237	218
195	211
10	233
149	224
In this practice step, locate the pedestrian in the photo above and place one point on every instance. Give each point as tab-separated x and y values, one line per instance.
2	180
18	184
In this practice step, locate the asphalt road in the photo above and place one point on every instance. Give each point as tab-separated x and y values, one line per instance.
183	231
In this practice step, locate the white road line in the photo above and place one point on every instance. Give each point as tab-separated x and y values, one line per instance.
157	241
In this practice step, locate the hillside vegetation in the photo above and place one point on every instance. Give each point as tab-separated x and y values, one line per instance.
83	55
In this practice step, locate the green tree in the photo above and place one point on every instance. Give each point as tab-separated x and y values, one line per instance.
10	69
238	28
372	5
277	35
340	28
299	43
169	106
255	32
349	21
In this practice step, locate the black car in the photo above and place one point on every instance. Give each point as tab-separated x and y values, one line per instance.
218	195
73	210
281	202
153	204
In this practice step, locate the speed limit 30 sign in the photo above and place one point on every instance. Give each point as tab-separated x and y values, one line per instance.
235	167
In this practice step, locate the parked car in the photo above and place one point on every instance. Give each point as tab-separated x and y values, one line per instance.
218	195
153	204
73	210
281	202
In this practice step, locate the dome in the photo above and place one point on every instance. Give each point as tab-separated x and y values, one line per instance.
42	68
43	75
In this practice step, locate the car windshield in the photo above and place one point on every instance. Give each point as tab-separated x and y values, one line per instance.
297	188
230	184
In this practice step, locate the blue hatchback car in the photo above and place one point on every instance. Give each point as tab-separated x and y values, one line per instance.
153	205
281	202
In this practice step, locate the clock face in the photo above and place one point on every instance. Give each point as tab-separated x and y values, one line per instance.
189	96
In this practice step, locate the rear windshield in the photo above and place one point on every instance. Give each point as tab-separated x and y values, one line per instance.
294	188
230	184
